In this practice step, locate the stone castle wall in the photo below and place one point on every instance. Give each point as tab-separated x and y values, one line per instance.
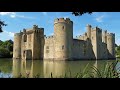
93	44
49	48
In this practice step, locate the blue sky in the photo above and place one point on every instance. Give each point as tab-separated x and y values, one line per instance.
16	21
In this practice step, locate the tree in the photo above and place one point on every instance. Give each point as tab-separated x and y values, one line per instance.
80	13
6	48
118	50
4	52
2	23
8	44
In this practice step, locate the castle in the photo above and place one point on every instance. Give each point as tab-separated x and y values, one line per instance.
93	44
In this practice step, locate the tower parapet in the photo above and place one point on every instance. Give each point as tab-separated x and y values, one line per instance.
59	20
35	27
24	31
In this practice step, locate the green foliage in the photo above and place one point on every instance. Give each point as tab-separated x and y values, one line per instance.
109	71
2	23
118	51
1	42
80	13
4	52
6	48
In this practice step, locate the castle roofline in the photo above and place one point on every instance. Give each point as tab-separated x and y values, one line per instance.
88	25
16	34
58	20
48	37
110	34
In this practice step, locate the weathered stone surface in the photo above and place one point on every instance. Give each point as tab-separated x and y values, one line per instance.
93	44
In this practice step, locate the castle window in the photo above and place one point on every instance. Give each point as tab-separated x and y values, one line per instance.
92	37
47	51
84	51
62	27
63	47
47	47
23	53
25	38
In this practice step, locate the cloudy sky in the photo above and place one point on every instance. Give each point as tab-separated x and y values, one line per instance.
16	21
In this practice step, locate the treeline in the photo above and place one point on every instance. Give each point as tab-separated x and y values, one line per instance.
118	51
6	49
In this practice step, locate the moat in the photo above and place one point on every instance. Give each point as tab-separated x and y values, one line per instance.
13	68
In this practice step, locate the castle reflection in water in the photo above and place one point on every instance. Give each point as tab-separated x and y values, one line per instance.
57	68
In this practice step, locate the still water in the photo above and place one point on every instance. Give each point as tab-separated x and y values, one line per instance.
15	68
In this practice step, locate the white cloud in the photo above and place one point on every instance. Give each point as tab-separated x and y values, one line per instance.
26	17
11	14
10	34
6	35
44	13
117	40
100	18
14	15
7	13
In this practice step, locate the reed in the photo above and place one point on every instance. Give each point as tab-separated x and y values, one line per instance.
109	71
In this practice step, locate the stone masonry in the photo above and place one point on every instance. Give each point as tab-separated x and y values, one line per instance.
32	44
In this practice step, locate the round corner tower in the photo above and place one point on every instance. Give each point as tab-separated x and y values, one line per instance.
63	36
17	46
111	45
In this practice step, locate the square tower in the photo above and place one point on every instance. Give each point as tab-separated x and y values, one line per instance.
96	40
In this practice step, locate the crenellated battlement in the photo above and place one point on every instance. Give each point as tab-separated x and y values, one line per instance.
111	34
38	31
35	26
49	37
97	29
32	30
59	20
88	25
104	31
78	36
17	34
